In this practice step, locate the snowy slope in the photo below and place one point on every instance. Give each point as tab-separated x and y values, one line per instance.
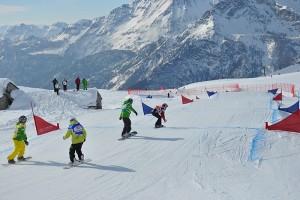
188	40
206	151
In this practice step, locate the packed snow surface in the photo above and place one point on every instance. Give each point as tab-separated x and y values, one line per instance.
214	148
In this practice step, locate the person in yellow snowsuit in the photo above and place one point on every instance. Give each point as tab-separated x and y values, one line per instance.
78	134
20	140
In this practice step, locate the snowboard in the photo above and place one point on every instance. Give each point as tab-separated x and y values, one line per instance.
162	126
18	161
77	163
128	135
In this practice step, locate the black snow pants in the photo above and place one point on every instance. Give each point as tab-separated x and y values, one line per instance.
158	122
127	126
77	148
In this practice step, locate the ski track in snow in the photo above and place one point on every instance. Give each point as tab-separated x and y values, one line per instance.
204	152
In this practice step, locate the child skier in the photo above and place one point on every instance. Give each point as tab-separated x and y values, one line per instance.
125	114
20	140
78	134
159	113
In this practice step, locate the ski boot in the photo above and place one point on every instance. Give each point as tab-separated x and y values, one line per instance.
11	161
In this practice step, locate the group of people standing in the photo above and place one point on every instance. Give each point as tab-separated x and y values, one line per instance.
78	81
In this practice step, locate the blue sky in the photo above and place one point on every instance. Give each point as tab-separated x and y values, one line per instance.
51	11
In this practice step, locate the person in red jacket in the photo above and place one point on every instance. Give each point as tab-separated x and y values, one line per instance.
159	113
77	82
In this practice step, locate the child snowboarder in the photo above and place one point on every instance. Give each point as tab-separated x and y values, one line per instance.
84	84
159	113
125	114
20	140
78	134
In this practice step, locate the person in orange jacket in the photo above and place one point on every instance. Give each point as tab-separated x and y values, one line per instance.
159	113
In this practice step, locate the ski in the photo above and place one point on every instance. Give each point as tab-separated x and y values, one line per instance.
77	163
128	135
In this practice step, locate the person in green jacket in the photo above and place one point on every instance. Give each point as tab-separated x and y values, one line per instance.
125	114
20	140
84	84
78	134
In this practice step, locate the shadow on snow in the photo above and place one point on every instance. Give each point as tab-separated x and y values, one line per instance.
83	165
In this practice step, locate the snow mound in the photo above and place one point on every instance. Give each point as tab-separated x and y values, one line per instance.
21	100
3	85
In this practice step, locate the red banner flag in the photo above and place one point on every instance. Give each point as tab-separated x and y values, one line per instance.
42	126
186	100
291	123
278	97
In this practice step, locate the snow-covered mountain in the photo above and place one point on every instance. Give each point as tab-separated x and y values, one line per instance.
171	42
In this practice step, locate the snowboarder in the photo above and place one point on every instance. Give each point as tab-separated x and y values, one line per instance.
77	82
125	114
20	140
78	134
54	81
159	113
56	88
84	84
65	84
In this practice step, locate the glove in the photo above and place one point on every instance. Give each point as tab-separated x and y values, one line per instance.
120	118
26	142
136	113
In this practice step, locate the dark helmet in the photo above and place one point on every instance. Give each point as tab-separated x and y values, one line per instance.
23	119
130	100
73	119
164	105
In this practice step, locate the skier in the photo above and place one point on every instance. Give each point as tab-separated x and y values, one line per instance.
78	134
54	81
84	84
20	140
159	113
65	84
125	114
77	82
56	88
